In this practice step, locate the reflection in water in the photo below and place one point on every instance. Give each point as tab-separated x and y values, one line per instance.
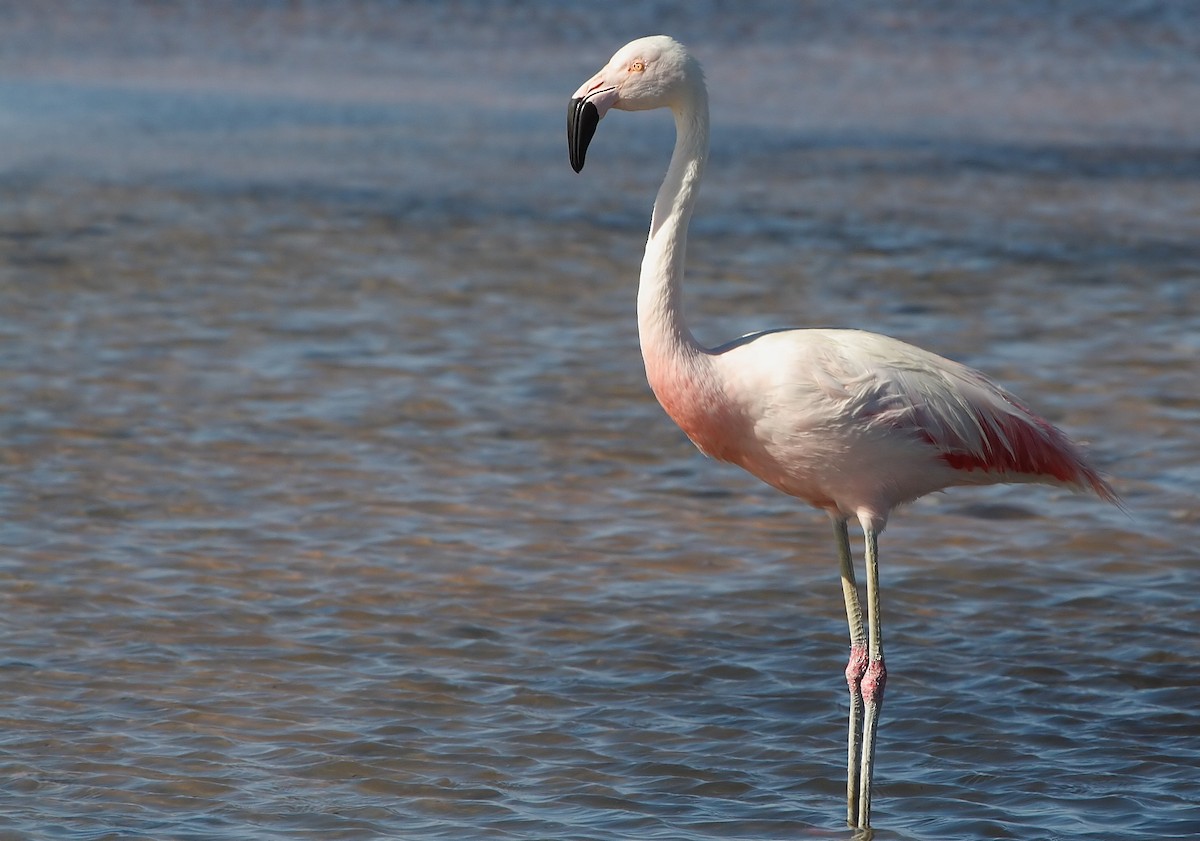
335	501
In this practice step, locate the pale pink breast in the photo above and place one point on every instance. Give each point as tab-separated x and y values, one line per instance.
700	408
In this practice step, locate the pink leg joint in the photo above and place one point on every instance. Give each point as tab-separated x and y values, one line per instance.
873	682
856	668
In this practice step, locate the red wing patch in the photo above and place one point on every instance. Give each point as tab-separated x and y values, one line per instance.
1030	446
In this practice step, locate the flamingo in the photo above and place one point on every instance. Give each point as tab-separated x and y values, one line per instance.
851	422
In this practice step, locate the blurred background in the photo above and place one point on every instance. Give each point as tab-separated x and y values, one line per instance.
335	504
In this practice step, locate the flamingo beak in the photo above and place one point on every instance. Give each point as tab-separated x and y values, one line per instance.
583	115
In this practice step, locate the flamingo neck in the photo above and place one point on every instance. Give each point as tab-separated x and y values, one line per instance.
680	371
664	334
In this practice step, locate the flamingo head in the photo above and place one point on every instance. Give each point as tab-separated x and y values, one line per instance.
650	72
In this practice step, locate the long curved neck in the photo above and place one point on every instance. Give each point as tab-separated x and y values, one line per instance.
664	334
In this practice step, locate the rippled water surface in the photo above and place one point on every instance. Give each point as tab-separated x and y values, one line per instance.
335	504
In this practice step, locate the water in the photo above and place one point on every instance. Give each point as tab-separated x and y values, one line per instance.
335	504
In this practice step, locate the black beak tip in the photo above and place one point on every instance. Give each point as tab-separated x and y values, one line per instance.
582	119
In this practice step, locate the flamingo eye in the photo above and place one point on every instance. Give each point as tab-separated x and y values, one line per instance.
637	66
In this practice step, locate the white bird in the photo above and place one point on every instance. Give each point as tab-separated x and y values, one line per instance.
850	422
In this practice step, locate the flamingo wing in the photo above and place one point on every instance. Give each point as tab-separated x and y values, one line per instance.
871	387
975	426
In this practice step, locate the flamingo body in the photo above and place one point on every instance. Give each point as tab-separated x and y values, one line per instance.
850	422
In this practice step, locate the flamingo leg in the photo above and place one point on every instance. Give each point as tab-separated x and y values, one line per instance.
855	668
876	674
